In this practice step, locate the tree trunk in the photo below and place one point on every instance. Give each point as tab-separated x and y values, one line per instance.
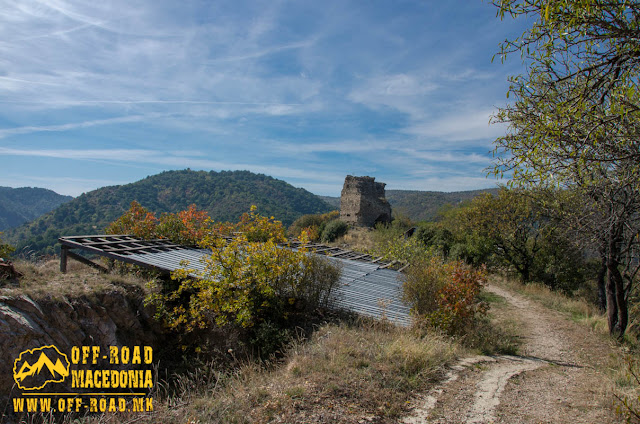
602	290
617	311
526	273
612	305
623	312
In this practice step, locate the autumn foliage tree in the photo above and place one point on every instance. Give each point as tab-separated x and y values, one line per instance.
186	227
137	221
249	279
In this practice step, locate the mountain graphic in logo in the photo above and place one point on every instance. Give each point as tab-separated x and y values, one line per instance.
35	368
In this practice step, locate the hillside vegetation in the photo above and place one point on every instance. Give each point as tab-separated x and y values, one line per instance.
223	195
421	205
425	205
20	205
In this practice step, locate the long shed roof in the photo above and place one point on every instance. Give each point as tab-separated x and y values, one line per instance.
367	286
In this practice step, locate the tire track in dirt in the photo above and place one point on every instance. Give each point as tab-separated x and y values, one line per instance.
531	388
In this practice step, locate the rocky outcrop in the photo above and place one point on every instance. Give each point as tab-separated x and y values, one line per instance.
112	318
7	271
363	202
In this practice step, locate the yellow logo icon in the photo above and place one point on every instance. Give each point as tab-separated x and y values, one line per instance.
35	368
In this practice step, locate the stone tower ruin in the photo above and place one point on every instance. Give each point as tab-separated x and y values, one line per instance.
362	203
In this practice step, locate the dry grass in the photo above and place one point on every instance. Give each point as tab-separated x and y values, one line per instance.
626	376
43	279
344	374
498	333
358	239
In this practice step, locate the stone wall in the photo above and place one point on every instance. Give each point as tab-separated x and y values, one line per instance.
363	203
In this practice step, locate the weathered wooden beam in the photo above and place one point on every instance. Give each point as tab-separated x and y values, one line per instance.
132	241
359	256
63	259
388	265
99	236
86	261
70	244
404	267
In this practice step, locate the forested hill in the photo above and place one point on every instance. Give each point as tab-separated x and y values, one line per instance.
20	205
224	195
425	205
420	205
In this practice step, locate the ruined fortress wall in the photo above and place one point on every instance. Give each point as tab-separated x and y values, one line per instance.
363	202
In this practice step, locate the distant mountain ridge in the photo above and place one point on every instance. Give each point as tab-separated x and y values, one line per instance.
224	195
421	205
20	205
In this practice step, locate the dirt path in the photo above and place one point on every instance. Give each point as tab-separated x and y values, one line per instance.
554	380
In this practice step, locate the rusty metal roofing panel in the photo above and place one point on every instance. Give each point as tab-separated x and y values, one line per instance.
366	287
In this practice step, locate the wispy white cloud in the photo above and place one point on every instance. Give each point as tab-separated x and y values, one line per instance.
462	126
24	81
447	157
168	159
341	146
402	92
54	33
103	154
448	184
70	126
299	90
263	52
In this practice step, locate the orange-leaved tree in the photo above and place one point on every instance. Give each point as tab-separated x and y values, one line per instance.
445	294
137	221
185	227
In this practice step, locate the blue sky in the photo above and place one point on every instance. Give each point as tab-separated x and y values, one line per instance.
101	93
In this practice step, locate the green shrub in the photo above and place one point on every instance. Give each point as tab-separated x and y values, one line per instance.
334	229
436	236
560	265
395	230
5	249
312	224
391	244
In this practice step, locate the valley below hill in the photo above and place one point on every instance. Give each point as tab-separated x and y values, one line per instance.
21	205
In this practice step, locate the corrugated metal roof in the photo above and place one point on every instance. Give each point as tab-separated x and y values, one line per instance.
366	288
370	290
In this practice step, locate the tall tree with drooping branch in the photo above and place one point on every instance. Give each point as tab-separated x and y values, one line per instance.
574	123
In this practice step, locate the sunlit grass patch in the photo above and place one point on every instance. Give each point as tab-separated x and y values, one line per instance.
578	308
43	279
